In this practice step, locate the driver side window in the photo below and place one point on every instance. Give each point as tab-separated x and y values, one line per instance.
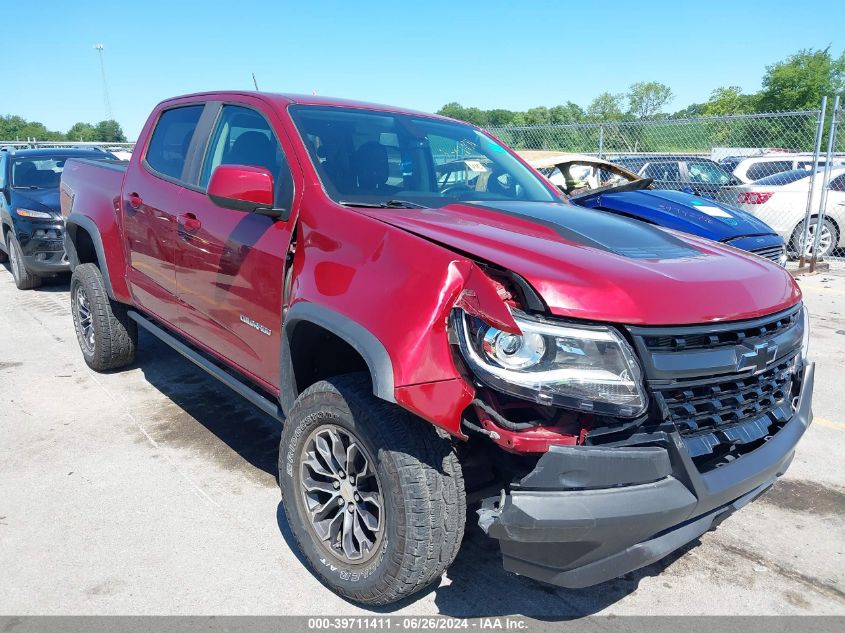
242	136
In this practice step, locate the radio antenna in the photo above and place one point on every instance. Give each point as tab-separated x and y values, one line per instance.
255	83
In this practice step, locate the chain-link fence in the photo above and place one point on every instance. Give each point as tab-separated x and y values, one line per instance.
34	144
770	165
760	163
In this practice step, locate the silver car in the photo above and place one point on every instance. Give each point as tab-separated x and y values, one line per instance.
780	201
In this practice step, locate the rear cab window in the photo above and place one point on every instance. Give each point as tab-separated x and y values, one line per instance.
167	151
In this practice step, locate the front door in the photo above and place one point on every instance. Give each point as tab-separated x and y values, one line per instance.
230	264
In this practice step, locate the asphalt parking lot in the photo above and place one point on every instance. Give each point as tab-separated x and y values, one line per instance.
152	491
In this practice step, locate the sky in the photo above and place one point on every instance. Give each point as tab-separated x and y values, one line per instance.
419	55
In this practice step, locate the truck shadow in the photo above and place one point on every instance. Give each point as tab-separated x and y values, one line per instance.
199	405
476	584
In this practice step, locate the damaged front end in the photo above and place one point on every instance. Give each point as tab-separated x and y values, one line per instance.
629	442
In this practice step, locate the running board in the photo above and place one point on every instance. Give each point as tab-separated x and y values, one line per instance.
239	387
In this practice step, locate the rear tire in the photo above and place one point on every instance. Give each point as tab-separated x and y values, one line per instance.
107	336
24	280
416	480
827	242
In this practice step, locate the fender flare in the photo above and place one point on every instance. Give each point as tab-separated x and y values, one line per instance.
361	339
86	223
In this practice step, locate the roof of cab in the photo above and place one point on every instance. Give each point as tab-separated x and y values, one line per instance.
285	100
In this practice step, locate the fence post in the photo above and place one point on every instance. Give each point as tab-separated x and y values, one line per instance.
805	230
825	183
601	141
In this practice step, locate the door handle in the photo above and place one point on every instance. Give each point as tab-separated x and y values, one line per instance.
135	201
189	221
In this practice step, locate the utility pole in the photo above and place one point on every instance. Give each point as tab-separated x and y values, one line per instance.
99	48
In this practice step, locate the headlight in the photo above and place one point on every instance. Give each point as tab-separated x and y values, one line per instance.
805	341
587	368
29	213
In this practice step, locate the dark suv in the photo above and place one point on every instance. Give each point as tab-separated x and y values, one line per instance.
690	173
30	216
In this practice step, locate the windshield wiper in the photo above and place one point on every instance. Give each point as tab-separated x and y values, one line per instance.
389	204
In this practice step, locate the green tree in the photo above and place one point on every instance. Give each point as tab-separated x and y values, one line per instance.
647	98
730	100
109	132
470	115
800	81
83	132
567	113
690	112
606	107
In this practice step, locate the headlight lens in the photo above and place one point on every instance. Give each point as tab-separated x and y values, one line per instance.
29	213
587	368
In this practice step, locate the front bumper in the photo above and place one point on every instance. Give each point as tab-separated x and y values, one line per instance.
587	514
42	245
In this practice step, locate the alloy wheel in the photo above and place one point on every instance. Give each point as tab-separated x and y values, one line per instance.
341	494
825	240
85	319
13	260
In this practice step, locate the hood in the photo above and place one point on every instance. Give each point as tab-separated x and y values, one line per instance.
685	212
596	265
40	199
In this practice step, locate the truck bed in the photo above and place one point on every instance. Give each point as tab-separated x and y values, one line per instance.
88	185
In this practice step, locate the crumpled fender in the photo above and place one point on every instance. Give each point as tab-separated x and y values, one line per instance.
401	288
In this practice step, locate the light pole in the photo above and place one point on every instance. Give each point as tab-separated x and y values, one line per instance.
99	48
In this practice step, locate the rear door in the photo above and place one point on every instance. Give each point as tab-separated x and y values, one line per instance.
230	264
153	193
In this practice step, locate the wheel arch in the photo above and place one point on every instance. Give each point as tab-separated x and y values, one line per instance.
84	245
311	330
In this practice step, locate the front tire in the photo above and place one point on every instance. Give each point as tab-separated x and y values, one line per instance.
405	511
107	336
24	280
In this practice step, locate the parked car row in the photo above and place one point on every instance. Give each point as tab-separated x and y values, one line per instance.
431	329
772	187
599	184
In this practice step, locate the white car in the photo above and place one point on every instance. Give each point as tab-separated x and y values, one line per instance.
751	168
780	201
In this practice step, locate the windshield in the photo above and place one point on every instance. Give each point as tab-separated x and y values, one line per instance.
37	172
369	156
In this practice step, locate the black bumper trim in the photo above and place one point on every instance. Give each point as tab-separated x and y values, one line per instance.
564	531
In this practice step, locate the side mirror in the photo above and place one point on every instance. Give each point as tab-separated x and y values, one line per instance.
243	188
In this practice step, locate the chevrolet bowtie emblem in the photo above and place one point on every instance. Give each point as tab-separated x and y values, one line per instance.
757	358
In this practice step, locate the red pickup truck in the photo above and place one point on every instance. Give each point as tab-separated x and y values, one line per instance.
609	389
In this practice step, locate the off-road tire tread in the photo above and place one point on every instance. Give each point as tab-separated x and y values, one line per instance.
115	334
436	500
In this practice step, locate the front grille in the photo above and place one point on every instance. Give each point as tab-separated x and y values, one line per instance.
773	253
726	387
738	410
688	339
